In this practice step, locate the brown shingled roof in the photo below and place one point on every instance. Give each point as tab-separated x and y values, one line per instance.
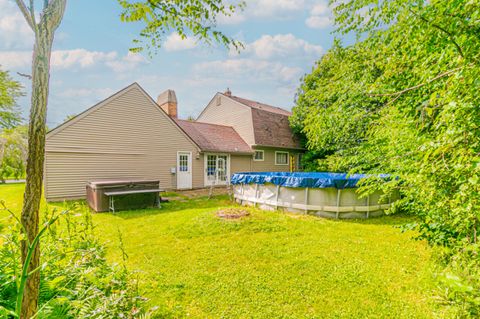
214	138
261	106
271	125
273	129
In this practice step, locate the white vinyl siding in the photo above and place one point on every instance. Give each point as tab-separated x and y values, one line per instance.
231	113
125	137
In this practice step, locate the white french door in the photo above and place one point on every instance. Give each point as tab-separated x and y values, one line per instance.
217	169
184	170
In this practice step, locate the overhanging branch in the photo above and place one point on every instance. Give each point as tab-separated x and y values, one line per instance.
23	8
397	94
450	35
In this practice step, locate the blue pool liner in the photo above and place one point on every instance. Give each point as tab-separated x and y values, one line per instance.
302	179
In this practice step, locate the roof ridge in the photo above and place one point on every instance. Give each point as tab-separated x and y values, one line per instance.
239	99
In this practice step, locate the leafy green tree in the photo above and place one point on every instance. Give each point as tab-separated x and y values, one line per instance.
13	153
10	90
404	100
197	17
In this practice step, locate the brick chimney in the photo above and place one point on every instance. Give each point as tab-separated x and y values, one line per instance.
168	102
228	92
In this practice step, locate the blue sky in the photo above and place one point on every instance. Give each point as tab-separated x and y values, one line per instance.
91	61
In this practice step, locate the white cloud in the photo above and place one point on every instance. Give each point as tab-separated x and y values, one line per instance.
270	8
15	59
320	16
74	59
175	42
320	9
126	63
14	30
235	18
64	59
248	69
261	9
99	93
276	61
318	22
282	46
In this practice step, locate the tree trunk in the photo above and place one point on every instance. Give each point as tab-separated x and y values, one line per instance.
50	19
35	161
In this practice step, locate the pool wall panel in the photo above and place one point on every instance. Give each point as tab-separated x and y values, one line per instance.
324	202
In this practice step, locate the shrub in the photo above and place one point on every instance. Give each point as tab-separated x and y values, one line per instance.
460	281
76	279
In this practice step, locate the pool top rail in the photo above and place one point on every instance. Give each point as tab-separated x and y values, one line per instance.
303	179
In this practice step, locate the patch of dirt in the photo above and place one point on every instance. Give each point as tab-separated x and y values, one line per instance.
232	213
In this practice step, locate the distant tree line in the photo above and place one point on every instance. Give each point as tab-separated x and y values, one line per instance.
13	135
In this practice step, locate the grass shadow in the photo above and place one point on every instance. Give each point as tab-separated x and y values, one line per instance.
393	220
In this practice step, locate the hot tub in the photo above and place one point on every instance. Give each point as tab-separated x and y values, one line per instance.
330	195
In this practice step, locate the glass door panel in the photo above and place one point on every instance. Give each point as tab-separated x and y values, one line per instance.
216	169
222	168
211	168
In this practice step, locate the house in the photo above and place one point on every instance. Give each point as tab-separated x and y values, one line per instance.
131	136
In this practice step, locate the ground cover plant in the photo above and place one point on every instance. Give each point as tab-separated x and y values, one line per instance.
192	262
76	279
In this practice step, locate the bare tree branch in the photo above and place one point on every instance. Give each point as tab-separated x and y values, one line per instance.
450	35
23	8
28	76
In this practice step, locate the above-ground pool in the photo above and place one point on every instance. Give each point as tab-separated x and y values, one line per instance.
324	194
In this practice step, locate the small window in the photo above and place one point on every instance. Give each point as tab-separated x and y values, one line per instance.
183	163
258	156
281	158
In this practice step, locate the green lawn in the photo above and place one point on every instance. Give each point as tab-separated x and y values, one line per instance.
267	265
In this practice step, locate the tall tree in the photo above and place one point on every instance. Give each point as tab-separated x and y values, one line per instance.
10	90
195	17
404	100
50	17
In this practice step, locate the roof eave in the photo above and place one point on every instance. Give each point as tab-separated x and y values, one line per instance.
228	152
276	146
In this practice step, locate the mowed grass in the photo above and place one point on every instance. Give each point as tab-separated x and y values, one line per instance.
268	265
